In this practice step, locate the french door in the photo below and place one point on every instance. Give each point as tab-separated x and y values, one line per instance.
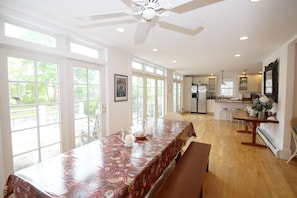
87	102
31	108
48	106
147	97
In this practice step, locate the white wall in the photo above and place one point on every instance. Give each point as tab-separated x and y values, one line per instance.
280	133
169	92
293	146
2	177
118	114
187	94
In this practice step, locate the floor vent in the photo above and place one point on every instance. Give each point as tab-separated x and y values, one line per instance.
268	142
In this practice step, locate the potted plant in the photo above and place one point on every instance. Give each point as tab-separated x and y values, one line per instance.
261	105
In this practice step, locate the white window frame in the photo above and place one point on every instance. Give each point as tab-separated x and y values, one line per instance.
59	55
5	113
226	81
156	73
177	92
101	115
32	30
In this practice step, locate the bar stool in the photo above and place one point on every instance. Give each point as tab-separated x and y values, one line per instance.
234	109
221	110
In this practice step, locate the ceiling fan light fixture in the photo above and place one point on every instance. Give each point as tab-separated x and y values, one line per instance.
243	38
120	29
149	14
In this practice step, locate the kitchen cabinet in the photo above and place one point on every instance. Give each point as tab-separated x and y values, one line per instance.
210	105
253	83
211	87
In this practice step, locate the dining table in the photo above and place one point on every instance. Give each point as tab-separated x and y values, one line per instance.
251	122
104	168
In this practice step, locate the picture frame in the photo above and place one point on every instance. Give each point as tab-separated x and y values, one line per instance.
243	83
120	88
270	84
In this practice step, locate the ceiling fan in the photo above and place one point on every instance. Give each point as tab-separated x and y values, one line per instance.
146	11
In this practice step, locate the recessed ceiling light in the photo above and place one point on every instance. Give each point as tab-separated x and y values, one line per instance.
155	50
244	38
237	55
120	29
254	0
174	61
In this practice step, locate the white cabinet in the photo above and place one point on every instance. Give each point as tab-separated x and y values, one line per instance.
253	82
210	105
211	87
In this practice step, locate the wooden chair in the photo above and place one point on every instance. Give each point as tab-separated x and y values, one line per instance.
174	116
294	134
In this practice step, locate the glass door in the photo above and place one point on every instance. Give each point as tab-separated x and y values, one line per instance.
87	102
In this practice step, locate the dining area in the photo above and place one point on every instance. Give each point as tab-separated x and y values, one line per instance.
114	166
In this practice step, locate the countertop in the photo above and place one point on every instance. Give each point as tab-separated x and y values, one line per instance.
234	101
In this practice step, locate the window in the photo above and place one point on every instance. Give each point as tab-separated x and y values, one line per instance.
227	88
137	99
148	98
176	93
87	105
136	65
25	34
151	97
161	99
149	69
148	92
38	96
34	110
83	50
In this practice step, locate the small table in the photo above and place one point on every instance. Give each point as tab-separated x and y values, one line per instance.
251	122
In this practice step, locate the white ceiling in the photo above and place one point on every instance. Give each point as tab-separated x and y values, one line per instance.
268	24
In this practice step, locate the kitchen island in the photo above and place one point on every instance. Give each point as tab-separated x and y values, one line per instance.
230	105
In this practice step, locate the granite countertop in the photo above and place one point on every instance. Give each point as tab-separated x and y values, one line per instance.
234	101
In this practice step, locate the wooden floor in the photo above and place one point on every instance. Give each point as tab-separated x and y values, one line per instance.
239	171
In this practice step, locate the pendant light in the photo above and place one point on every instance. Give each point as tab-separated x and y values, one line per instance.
223	78
244	72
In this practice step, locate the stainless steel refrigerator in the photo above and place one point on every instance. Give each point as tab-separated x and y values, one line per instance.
198	100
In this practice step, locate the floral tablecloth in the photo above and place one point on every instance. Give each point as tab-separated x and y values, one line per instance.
105	168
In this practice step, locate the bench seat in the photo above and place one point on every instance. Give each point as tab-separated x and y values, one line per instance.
187	177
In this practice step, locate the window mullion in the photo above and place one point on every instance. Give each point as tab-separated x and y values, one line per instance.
37	110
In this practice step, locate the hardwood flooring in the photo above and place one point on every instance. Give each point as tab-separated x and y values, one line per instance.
239	171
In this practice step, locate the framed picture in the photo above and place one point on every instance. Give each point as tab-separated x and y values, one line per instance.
120	88
243	83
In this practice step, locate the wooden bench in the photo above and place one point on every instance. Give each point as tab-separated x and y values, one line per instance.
187	177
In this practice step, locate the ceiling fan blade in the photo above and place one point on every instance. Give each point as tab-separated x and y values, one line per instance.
103	16
176	3
141	31
193	5
102	23
127	2
182	21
